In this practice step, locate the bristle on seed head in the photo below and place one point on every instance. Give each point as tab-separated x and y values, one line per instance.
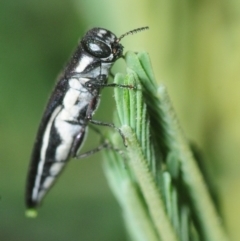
132	32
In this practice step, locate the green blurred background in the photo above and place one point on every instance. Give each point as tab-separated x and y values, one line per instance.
195	50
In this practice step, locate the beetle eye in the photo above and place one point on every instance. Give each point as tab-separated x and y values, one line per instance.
97	48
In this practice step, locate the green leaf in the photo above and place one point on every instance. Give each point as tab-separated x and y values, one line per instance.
157	182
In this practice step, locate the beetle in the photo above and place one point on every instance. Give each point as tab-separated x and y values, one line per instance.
70	109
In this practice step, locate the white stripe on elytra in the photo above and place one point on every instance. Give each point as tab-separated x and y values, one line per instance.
43	153
47	183
74	101
75	84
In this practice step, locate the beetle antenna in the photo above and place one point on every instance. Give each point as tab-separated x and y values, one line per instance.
132	32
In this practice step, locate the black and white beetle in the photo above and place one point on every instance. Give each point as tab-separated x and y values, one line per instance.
70	108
